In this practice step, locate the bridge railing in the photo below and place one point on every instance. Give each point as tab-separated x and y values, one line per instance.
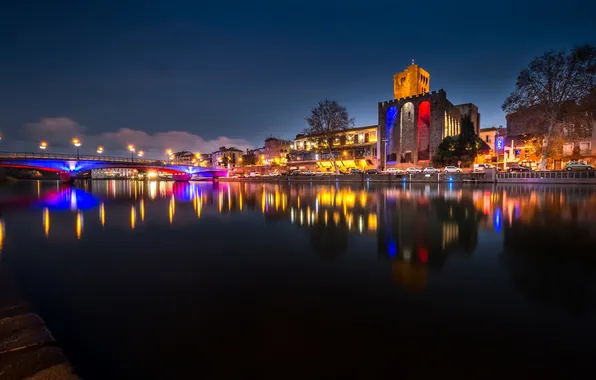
82	157
561	174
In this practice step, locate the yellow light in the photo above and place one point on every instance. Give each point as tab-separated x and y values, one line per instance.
152	174
102	214
76	142
43	145
133	217
240	159
79	224
172	209
131	148
169	152
46	221
372	222
141	153
142	210
345	153
100	149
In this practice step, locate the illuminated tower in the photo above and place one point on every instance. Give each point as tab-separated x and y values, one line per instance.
414	80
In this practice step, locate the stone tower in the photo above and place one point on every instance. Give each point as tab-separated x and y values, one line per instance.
414	80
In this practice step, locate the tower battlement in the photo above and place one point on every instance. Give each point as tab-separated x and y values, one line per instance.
414	80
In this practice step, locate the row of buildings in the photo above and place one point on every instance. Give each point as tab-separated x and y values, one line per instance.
410	128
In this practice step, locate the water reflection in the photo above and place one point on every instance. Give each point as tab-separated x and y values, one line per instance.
545	235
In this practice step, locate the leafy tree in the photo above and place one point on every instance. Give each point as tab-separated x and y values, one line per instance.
326	120
535	146
550	88
464	148
225	160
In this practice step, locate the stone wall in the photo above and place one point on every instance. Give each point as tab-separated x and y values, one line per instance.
471	110
404	139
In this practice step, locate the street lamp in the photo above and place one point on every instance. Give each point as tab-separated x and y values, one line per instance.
132	152
99	149
140	153
76	142
43	145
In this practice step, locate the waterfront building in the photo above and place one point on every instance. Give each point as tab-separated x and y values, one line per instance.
352	148
276	151
522	125
413	124
227	157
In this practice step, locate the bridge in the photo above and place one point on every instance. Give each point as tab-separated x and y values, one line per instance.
70	165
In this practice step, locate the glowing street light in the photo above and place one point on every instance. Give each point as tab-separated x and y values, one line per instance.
99	149
132	149
169	152
77	143
140	153
43	145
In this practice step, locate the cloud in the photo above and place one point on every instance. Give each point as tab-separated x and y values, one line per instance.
59	131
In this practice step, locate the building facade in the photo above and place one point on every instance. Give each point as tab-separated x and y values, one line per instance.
471	110
352	148
227	157
414	80
276	150
412	128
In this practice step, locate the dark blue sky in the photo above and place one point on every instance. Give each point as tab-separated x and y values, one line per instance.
247	69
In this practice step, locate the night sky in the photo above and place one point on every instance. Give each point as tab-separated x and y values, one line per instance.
159	74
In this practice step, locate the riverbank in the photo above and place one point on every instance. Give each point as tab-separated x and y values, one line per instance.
27	348
375	178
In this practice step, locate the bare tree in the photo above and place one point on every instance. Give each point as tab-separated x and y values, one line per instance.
326	121
549	86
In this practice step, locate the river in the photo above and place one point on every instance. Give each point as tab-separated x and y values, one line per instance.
229	280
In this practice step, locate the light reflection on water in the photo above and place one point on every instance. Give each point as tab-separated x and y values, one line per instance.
435	242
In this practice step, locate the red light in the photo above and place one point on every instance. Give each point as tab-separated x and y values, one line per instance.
423	254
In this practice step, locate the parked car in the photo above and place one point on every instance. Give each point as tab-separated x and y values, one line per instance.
518	168
355	171
295	172
373	171
451	169
431	170
393	171
254	174
574	165
413	171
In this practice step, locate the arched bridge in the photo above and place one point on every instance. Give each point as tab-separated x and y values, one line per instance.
69	165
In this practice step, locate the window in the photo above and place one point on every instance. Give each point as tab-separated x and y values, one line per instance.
585	147
366	137
567	149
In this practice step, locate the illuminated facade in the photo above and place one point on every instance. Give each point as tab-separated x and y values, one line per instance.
412	128
414	80
227	157
352	148
276	151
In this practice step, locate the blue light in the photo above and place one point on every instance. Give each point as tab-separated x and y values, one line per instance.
67	198
498	219
403	179
499	144
450	179
390	117
391	247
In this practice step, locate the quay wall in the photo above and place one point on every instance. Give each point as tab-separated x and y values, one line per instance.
27	348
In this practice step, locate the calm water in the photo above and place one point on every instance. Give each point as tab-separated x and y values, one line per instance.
163	280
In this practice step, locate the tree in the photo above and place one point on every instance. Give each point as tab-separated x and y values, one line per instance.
535	146
325	122
549	86
464	148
